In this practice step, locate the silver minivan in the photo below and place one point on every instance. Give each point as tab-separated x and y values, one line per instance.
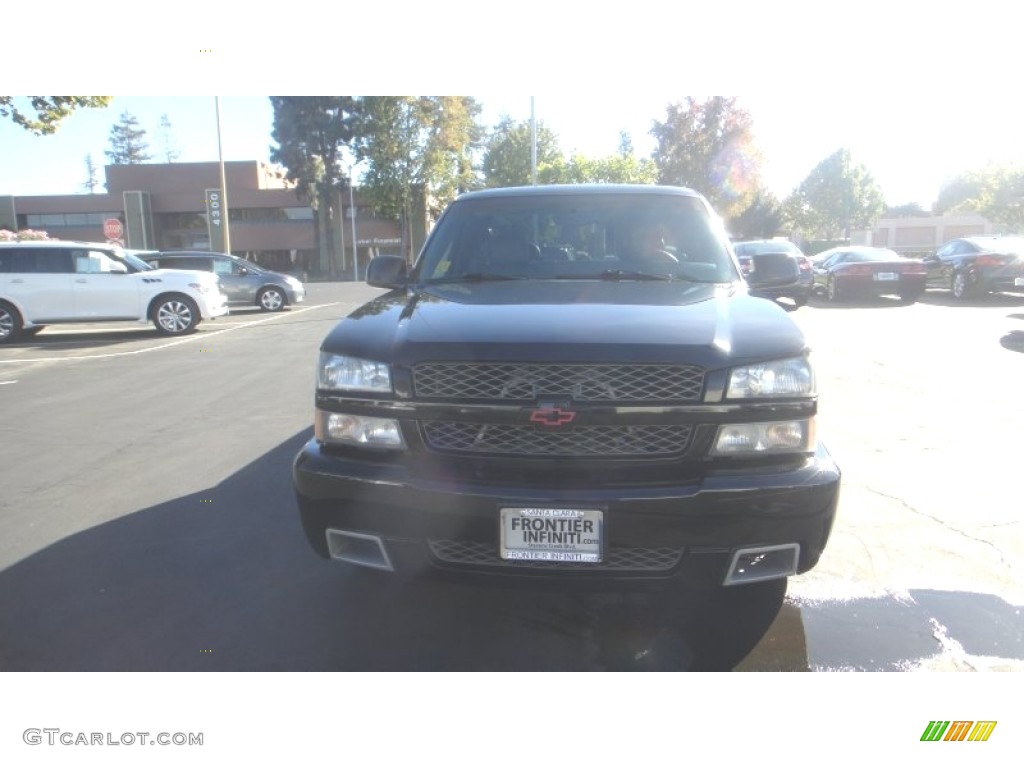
245	284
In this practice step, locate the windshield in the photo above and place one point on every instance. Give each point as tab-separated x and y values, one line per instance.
1005	245
773	246
599	236
135	264
240	262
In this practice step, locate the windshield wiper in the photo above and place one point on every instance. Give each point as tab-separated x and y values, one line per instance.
473	277
630	274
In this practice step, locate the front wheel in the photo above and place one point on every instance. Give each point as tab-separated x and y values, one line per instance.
832	289
271	299
10	323
175	315
959	287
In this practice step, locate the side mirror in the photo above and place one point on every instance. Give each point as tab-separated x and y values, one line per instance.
243	271
387	272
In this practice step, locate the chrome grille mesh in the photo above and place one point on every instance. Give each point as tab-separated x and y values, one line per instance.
615	559
530	440
584	383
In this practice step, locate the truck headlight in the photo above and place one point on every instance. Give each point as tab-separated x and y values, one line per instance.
778	378
351	374
795	436
348	429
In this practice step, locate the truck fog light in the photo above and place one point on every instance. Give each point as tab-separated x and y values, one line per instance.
773	437
349	429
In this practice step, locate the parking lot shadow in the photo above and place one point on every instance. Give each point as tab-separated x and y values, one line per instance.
945	299
1013	341
224	579
860	302
921	629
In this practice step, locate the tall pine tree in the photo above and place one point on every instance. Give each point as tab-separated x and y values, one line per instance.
128	145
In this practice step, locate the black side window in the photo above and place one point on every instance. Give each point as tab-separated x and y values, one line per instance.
7	260
54	261
37	260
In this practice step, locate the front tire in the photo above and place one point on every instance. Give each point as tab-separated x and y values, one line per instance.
959	286
175	315
10	323
271	299
832	290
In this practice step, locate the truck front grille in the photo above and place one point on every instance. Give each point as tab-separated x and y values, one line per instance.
530	440
584	383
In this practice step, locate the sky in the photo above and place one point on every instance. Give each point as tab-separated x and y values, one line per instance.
878	81
908	155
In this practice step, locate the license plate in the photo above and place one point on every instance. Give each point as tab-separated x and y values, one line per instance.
1018	282
887	276
551	534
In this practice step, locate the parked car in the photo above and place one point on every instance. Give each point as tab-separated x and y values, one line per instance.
53	281
862	271
245	284
543	397
974	266
775	269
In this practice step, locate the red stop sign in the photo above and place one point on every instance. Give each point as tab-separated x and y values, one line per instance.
112	229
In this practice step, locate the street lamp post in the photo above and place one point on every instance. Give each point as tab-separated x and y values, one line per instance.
352	216
223	184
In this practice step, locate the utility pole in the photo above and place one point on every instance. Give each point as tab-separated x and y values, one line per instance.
223	184
533	144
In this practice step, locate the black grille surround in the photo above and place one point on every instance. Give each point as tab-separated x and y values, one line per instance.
583	382
577	388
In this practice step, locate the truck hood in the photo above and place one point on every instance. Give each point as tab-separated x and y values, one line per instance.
569	321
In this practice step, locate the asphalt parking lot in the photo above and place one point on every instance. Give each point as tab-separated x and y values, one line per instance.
149	522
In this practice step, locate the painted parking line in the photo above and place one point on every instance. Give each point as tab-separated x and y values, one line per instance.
8	382
187	340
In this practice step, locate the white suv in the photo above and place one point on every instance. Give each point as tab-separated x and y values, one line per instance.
54	281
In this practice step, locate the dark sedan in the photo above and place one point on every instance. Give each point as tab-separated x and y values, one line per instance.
849	271
973	266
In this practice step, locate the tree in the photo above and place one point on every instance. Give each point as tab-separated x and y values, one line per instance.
507	156
455	135
418	150
170	149
49	110
905	210
91	180
708	146
763	218
128	145
995	192
613	169
837	196
312	135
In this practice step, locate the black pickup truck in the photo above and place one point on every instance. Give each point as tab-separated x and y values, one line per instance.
571	383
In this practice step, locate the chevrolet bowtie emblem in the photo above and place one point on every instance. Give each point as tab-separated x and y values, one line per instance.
552	417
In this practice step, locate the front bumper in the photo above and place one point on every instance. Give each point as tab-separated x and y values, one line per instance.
689	532
213	305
